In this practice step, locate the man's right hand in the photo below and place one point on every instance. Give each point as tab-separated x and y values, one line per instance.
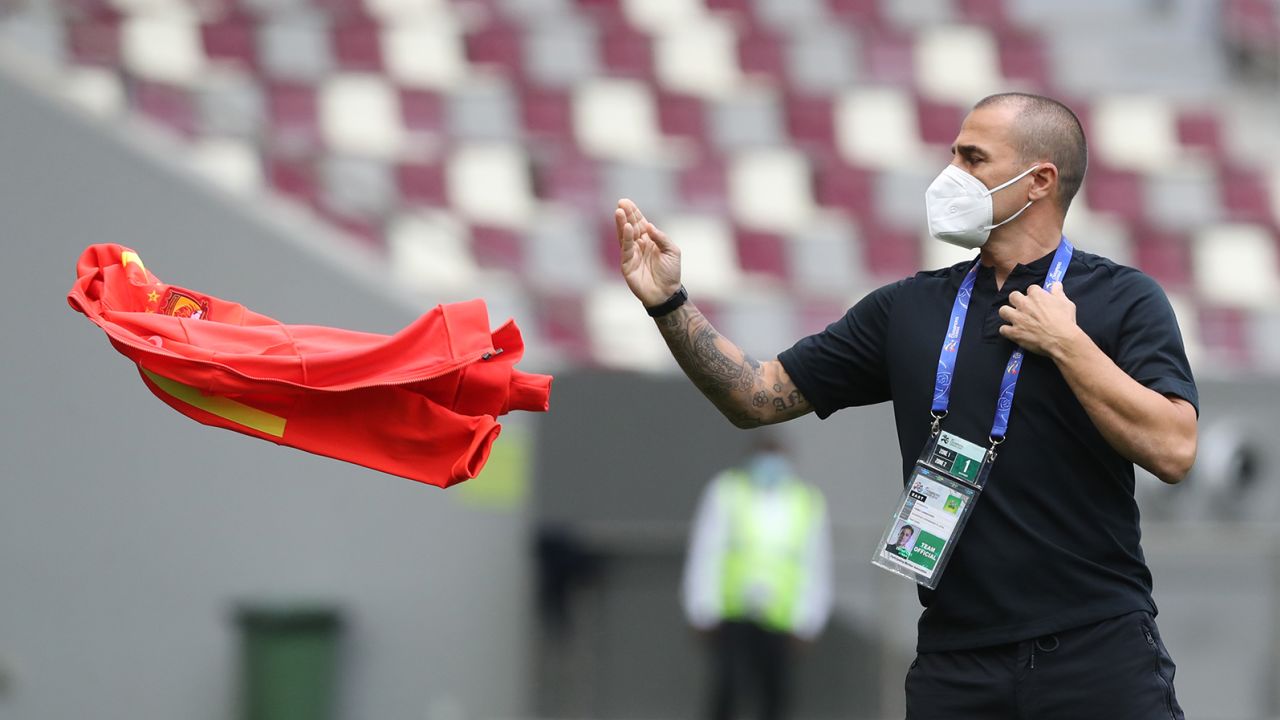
650	262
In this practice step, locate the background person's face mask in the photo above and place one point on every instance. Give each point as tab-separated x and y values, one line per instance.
959	207
769	469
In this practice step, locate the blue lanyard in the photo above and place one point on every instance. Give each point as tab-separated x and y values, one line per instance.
951	345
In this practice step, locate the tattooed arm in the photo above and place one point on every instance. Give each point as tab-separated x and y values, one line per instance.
749	392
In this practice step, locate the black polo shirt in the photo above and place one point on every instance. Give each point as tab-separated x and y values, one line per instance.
1053	542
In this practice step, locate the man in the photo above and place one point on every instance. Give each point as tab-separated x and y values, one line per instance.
903	544
758	577
1045	608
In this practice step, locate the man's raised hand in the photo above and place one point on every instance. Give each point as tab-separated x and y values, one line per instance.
650	261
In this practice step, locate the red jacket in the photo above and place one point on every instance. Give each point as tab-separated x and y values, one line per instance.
420	404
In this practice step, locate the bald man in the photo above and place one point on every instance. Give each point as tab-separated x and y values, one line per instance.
1072	364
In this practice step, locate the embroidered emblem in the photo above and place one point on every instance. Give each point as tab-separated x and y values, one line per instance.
182	305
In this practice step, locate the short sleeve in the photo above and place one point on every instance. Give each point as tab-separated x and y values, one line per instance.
844	365
1149	344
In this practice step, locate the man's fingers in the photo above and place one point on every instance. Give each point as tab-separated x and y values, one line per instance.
1058	290
658	236
1008	313
619	219
1016	298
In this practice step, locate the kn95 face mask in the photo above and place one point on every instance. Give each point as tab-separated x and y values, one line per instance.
959	207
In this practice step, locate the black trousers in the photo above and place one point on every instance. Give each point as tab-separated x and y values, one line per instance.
748	660
1117	669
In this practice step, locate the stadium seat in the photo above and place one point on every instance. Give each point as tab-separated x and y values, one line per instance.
703	185
859	13
230	41
562	323
656	16
957	63
357	45
1225	331
751	118
430	252
811	124
940	121
231	164
547	113
166	105
484	109
360	114
877	127
682	116
95	41
615	119
621	335
1023	60
1118	192
164	49
1244	195
762	254
1164	255
294	179
921	14
496	45
888	253
650	184
1236	266
771	189
1135	132
490	184
840	185
561	51
823	261
899	194
295	48
625	51
698	58
422	114
422	184
796	16
1203	131
708	255
95	90
295	119
358	187
1100	234
560	252
888	57
424	53
761	55
1181	197
565	176
498	248
762	322
823	59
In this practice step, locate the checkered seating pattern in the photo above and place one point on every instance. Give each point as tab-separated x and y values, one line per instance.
785	144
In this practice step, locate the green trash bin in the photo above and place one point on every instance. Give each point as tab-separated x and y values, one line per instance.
289	656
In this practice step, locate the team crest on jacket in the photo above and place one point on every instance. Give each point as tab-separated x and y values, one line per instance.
182	305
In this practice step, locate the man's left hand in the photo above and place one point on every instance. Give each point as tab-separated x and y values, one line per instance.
1041	321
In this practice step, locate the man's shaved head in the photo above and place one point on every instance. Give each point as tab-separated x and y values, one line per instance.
1045	129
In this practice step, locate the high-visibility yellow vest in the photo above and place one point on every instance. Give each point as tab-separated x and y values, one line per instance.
763	570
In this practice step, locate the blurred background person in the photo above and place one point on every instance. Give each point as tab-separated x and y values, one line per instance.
757	578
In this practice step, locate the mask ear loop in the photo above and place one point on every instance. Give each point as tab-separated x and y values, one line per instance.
1004	185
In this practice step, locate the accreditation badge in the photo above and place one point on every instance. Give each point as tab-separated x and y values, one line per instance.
935	505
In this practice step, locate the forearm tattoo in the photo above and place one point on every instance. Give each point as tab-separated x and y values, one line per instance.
729	377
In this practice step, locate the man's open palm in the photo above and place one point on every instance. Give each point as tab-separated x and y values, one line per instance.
650	262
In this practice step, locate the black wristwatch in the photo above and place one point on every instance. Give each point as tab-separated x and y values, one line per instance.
669	305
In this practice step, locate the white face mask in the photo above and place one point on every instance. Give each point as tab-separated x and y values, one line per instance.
959	207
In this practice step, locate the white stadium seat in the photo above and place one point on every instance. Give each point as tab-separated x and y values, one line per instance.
957	64
163	48
708	256
699	58
1135	132
616	119
490	183
1236	265
771	189
430	252
360	114
878	127
424	53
